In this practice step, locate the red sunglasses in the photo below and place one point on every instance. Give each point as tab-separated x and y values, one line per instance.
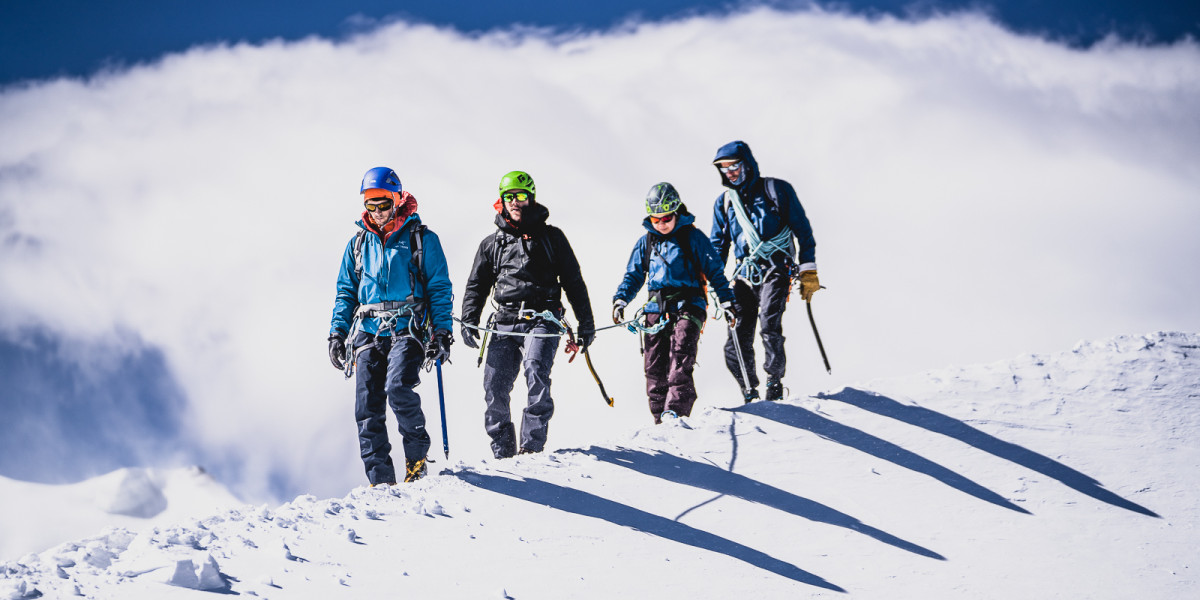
662	219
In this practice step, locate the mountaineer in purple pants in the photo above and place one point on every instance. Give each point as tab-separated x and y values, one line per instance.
676	262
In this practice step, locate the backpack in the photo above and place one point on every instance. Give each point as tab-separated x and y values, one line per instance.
685	246
418	260
502	242
773	197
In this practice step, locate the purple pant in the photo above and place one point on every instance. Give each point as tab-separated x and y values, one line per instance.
670	358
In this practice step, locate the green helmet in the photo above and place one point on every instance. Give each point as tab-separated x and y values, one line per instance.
662	199
517	180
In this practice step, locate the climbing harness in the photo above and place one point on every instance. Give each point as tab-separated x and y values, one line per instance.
389	314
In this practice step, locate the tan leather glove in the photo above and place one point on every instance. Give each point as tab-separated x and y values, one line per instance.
809	284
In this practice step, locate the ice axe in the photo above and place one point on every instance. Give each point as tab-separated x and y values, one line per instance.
442	404
572	348
816	334
737	349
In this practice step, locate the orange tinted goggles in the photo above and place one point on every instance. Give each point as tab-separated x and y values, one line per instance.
382	204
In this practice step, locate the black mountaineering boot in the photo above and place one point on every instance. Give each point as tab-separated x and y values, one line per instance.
750	396
774	390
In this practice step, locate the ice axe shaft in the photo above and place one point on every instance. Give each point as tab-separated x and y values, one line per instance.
737	349
572	348
442	405
817	335
588	357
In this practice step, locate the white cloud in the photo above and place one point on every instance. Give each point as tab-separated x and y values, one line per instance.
974	194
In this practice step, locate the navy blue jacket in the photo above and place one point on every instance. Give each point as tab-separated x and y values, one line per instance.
668	265
726	231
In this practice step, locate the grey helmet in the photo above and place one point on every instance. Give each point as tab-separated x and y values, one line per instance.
662	199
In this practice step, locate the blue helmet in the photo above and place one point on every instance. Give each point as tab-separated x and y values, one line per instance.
381	178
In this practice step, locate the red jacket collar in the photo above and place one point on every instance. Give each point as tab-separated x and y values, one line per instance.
408	206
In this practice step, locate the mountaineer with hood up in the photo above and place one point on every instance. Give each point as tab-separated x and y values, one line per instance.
675	260
762	220
529	264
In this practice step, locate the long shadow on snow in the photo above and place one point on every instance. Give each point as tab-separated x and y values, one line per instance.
715	479
795	416
953	428
590	505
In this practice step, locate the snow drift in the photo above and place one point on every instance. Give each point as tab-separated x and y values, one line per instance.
1071	475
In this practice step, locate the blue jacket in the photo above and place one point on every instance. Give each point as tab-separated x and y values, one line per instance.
388	277
726	230
668	264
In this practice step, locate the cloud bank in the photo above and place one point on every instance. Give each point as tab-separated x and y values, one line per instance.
974	193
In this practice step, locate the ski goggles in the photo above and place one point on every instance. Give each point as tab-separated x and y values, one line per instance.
663	219
384	204
737	166
516	196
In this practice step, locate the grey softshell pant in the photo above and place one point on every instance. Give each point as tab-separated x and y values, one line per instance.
506	355
768	301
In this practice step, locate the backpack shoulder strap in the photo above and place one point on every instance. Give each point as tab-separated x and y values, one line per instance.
417	248
773	196
499	241
359	239
646	255
689	255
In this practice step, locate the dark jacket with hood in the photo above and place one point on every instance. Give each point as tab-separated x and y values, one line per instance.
530	262
727	231
670	268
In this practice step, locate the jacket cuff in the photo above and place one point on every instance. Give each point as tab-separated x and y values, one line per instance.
809	266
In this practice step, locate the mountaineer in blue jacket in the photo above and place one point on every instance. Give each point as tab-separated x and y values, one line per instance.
762	220
393	290
675	260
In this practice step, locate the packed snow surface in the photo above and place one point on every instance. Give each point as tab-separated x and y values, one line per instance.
1072	475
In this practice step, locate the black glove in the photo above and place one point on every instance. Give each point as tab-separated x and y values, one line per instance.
587	333
732	312
619	310
438	348
470	336
337	350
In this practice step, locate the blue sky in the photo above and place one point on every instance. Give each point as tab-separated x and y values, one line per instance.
77	37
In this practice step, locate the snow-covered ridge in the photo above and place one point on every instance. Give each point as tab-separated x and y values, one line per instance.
133	498
1070	475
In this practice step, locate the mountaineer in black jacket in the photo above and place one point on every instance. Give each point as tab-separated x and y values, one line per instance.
528	264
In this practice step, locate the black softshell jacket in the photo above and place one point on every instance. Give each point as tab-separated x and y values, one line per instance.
532	263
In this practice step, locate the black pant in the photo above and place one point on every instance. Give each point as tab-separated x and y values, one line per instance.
767	301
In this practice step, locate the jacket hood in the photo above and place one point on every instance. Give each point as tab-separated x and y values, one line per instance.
405	209
534	218
737	150
684	220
